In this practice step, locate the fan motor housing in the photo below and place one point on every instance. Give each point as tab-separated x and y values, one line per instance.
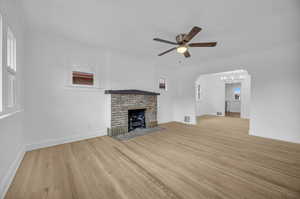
180	38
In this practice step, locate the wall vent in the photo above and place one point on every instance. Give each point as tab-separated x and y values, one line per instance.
219	114
187	119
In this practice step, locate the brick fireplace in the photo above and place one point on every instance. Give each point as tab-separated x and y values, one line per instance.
130	109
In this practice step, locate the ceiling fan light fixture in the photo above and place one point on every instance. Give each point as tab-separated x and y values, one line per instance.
182	49
182	43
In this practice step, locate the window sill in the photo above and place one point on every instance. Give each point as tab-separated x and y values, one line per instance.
5	115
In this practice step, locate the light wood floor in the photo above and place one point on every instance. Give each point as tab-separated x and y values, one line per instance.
215	159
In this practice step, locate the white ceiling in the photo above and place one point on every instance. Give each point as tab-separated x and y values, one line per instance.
239	26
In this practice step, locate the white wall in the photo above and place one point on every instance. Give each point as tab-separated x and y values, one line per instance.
246	97
55	112
213	95
11	122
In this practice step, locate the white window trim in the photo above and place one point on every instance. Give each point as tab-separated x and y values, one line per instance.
5	115
1	67
11	69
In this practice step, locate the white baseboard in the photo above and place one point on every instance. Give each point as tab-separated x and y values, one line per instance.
275	138
74	138
10	174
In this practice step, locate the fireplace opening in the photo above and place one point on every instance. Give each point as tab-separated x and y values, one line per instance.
136	119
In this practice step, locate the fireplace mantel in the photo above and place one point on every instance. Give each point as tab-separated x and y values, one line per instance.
121	102
131	91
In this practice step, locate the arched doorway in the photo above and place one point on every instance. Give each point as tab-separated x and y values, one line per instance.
224	94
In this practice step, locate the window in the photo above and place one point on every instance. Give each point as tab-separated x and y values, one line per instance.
237	93
1	69
82	78
163	84
11	68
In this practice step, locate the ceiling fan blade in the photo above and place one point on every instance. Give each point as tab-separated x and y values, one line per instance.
187	54
165	41
195	30
167	51
206	44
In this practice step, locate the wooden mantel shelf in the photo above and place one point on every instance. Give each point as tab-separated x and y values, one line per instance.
130	91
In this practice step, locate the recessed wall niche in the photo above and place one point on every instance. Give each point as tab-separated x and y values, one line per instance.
82	77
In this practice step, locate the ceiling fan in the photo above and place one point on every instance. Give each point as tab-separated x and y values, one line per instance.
182	41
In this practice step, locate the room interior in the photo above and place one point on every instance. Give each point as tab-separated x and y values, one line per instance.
233	99
113	99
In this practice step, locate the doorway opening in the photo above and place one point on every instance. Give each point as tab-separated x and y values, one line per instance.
233	99
223	95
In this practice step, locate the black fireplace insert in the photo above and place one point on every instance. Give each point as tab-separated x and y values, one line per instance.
136	119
